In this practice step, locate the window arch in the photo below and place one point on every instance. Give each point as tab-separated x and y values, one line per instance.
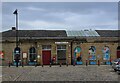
17	52
92	51
77	55
32	54
106	53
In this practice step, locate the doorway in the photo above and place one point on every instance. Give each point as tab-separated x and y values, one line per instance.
46	54
118	52
61	54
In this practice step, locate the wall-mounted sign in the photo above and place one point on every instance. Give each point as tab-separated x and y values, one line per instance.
24	55
1	55
78	54
92	52
61	42
106	53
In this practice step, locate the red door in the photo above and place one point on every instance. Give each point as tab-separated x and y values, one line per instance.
46	57
118	54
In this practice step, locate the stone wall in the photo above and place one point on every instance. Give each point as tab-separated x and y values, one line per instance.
8	48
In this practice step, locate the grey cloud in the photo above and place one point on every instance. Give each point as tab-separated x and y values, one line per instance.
61	13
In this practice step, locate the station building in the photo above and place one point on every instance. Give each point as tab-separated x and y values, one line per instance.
60	46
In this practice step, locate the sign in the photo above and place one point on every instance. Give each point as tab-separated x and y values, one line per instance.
92	52
78	55
61	42
1	55
24	55
106	53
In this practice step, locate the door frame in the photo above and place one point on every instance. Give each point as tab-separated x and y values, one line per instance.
43	55
46	49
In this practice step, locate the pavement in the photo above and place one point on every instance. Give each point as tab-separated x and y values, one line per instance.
57	73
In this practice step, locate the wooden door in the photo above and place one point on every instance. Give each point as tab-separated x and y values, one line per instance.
46	56
118	54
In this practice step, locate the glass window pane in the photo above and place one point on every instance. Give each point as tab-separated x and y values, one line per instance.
61	54
45	47
61	47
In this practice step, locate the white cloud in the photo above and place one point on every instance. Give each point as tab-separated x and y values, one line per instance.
35	9
91	20
60	0
70	17
41	25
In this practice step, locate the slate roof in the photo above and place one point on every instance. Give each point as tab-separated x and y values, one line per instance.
54	33
109	33
35	33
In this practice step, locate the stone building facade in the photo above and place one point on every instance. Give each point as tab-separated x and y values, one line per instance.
59	46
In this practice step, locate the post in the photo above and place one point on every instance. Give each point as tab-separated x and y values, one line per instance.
67	64
9	63
110	61
22	64
35	63
74	63
23	59
42	65
60	64
98	63
86	63
50	64
16	13
17	63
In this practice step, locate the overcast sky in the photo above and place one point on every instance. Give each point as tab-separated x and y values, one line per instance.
61	15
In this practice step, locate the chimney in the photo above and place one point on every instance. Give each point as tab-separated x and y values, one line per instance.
13	29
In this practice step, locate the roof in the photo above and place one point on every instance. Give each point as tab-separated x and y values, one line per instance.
108	33
35	33
61	33
85	33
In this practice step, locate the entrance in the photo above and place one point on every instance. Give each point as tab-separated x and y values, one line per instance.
61	54
46	54
118	52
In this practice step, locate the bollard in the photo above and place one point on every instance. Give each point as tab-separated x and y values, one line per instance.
98	63
22	64
35	63
60	64
16	63
9	63
110	61
74	64
86	63
42	65
67	64
50	64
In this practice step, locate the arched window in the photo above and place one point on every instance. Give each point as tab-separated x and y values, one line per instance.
32	54
92	51
78	55
17	53
106	53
